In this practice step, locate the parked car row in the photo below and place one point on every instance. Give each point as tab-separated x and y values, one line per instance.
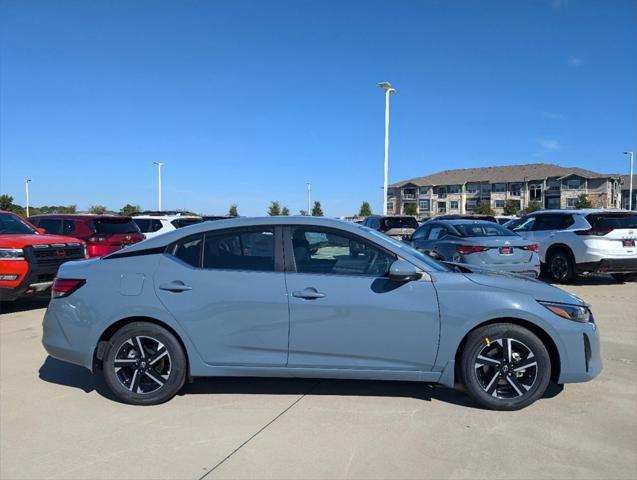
564	243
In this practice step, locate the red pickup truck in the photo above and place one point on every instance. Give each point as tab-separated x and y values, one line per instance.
29	259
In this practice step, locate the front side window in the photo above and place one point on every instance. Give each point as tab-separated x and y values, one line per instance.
326	252
240	250
483	230
553	222
526	225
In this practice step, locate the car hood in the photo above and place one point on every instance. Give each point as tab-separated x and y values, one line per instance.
19	241
530	286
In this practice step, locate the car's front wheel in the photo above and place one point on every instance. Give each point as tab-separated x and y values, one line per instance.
144	364
504	366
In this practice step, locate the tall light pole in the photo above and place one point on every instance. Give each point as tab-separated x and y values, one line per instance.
26	187
388	91
630	180
159	165
309	196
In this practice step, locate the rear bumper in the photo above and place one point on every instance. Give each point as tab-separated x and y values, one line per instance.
609	265
527	269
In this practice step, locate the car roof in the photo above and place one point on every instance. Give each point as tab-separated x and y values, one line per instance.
165	217
464	221
581	211
80	216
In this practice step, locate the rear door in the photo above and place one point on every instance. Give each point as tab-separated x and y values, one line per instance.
227	290
344	311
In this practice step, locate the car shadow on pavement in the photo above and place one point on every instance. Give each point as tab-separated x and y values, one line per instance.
66	374
24	304
69	375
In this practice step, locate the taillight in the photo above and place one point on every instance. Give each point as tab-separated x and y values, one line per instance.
97	239
532	248
598	232
465	249
63	287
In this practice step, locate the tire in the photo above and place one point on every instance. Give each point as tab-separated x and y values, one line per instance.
624	277
494	383
149	378
560	267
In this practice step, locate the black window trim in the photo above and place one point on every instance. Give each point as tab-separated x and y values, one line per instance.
288	248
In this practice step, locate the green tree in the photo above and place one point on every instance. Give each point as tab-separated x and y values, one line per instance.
274	209
365	210
410	209
97	209
129	210
233	211
285	211
303	212
533	206
484	208
583	201
6	201
511	207
317	211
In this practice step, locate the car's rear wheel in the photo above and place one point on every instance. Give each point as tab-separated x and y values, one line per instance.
560	267
504	366
624	277
144	364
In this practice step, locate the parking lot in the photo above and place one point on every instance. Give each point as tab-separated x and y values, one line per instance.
58	421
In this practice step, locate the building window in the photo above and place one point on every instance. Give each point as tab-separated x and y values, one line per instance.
535	191
573	184
424	190
553	202
390	206
554	186
472	204
442	192
485	189
516	189
442	207
500	187
499	204
454	188
424	205
571	202
472	188
453	205
409	193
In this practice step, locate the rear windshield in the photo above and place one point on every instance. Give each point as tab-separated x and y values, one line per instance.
613	220
483	230
115	225
184	222
13	225
399	222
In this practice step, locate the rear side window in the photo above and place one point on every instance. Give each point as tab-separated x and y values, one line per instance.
51	225
115	225
240	250
399	222
188	250
436	232
612	220
148	225
184	222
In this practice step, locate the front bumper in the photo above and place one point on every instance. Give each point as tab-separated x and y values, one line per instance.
581	359
39	278
609	265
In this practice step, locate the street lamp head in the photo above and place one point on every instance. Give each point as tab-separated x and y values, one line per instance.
159	164
27	180
628	153
387	87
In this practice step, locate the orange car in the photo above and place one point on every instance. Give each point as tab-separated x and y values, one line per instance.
29	258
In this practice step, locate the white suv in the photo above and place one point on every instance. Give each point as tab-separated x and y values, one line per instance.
153	225
582	241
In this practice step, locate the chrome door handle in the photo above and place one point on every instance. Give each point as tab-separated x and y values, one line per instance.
175	286
308	294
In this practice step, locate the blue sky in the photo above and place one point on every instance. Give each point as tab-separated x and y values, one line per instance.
245	101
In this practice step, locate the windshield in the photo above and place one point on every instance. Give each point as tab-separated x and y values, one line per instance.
400	222
483	230
613	220
12	225
115	225
441	267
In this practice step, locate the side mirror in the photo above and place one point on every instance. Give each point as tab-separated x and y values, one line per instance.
403	271
41	230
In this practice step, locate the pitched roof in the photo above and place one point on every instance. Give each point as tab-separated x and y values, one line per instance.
503	174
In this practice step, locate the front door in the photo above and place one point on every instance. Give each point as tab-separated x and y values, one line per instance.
224	289
344	311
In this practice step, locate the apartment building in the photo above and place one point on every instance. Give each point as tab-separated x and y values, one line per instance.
461	191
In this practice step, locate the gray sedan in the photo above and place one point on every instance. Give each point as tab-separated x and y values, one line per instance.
478	243
311	297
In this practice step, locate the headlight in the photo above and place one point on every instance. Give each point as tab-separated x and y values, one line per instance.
11	254
578	313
